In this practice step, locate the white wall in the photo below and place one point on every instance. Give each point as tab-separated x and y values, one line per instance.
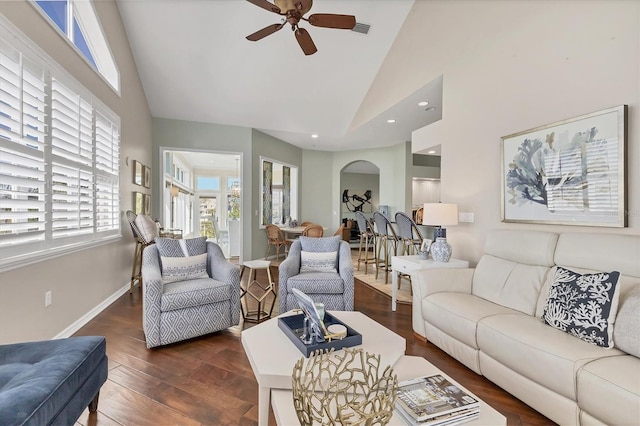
82	281
511	66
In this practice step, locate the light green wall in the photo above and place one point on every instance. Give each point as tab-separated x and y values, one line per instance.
316	194
84	281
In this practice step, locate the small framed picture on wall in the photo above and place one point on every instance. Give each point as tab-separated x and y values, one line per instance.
147	204
147	177
138	203
137	172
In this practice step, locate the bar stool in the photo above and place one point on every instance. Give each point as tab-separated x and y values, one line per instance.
368	239
387	242
409	234
257	292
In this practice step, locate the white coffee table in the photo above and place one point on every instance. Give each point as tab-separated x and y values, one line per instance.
272	355
408	264
407	367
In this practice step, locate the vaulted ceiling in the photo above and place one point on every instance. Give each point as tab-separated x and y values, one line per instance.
196	65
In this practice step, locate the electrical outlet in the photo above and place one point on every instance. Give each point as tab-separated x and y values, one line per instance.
465	217
47	298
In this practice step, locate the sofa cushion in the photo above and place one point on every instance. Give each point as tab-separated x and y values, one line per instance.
184	294
312	261
457	314
626	333
184	268
507	283
316	282
608	384
536	351
584	305
526	247
39	379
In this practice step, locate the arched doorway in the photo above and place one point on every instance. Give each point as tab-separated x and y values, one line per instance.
359	191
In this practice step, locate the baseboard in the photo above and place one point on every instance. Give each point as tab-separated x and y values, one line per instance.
82	321
419	337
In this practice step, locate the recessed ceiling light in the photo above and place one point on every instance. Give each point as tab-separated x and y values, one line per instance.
431	152
423	103
391	120
315	136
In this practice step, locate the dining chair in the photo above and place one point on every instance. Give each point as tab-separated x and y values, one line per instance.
367	241
313	230
387	242
275	238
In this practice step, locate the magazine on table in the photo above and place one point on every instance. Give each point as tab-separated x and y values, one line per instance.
449	419
425	398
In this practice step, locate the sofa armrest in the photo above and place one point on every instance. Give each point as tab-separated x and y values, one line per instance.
287	269
345	269
152	289
429	281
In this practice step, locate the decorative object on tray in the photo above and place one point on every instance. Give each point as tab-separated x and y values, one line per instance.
309	333
440	214
435	401
567	173
346	387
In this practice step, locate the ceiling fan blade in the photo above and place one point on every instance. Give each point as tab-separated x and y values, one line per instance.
266	5
260	34
305	41
329	20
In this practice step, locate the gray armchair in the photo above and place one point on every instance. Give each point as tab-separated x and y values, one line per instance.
179	310
334	288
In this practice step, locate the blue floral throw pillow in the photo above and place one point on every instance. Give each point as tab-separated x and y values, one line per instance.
583	305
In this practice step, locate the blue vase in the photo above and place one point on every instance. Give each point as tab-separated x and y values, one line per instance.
441	250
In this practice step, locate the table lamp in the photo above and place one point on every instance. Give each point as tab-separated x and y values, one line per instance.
440	214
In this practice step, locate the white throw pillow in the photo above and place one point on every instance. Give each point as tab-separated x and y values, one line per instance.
318	261
147	227
184	268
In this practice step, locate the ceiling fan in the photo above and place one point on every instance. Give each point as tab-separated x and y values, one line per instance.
293	11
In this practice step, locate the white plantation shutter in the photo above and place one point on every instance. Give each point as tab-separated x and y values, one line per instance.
59	157
22	141
107	169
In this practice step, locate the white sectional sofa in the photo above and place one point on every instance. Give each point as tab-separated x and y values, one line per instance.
489	318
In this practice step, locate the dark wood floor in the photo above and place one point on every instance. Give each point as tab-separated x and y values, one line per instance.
208	380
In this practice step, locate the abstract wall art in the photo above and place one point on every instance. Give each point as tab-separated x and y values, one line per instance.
567	173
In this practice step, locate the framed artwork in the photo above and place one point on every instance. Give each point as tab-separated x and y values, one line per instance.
567	173
146	182
137	172
147	204
138	203
357	200
426	245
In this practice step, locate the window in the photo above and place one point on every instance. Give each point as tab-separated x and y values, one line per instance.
78	23
279	184
59	157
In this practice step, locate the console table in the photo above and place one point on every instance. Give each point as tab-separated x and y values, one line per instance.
408	264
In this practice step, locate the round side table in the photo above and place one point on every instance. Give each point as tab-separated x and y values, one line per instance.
257	292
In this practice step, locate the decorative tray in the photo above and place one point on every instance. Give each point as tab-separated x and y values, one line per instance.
293	327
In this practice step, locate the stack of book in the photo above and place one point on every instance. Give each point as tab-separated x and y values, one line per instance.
435	401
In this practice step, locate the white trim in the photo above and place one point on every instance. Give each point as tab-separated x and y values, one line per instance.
84	320
31	258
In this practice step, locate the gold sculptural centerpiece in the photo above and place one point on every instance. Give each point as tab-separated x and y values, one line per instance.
346	387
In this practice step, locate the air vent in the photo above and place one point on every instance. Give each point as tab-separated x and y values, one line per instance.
361	28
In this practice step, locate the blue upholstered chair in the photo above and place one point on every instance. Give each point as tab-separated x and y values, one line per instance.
320	267
188	289
51	382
